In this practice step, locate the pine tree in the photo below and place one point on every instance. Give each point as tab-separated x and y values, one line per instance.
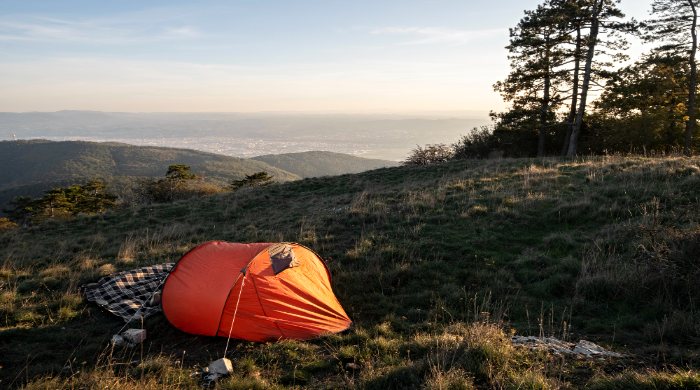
258	179
645	105
574	22
558	53
175	178
599	16
536	60
95	198
180	172
675	26
56	202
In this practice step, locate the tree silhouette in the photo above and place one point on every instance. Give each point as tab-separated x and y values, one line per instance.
675	25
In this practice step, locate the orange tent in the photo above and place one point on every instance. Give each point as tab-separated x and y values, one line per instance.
255	292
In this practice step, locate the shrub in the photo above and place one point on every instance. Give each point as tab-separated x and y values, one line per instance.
179	183
6	224
479	143
89	198
430	154
257	179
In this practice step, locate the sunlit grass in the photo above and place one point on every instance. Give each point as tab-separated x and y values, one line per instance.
435	265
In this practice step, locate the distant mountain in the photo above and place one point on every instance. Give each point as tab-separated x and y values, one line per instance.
317	163
31	167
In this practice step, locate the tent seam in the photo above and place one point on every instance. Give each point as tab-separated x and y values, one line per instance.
221	315
257	295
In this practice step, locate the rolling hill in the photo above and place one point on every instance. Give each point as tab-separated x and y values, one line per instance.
34	166
319	163
437	266
31	167
39	161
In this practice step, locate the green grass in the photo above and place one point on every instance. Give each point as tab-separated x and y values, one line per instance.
649	380
436	265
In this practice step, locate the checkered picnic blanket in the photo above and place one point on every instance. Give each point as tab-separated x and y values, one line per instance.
130	294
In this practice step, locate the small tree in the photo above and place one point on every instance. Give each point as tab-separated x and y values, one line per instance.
479	143
257	179
429	154
21	209
95	198
180	172
173	186
642	107
675	26
91	198
56	202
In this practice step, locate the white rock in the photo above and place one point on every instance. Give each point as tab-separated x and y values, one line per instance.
222	366
582	348
117	340
134	336
588	348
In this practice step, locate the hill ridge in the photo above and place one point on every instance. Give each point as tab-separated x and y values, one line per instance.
316	163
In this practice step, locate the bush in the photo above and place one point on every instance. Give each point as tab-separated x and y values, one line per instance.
63	202
166	190
257	179
479	143
430	154
6	224
179	183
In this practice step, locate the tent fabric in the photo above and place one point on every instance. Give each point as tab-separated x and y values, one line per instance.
128	294
278	291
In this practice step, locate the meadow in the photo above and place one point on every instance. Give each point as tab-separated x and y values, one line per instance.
438	266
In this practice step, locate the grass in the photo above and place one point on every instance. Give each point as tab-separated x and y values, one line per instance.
436	265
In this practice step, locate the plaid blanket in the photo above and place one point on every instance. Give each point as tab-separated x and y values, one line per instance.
130	294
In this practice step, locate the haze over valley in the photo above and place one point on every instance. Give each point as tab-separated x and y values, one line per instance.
389	137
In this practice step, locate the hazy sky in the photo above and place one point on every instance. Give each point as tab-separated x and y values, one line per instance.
256	55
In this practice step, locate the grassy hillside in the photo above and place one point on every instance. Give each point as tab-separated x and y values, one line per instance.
320	163
436	265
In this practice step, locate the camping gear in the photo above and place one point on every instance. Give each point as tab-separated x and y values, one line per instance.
221	366
254	292
129	294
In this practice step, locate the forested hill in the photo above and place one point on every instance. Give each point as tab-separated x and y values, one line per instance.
319	163
34	162
31	167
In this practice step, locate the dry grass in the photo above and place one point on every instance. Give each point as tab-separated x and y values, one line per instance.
434	264
648	380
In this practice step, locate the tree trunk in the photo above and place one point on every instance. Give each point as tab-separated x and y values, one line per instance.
592	41
671	124
692	87
574	92
544	109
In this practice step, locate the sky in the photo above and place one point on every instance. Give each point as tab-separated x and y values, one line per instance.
359	56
